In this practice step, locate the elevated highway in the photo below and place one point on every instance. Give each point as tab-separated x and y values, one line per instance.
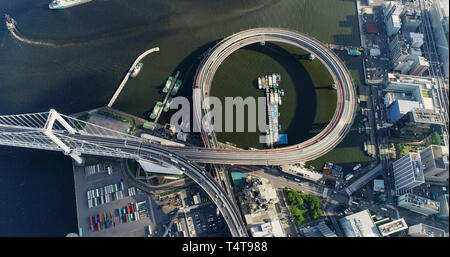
311	149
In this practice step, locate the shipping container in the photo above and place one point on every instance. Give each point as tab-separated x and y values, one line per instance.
98	226
100	217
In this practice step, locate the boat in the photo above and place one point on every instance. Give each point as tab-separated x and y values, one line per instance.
279	99
167	106
168	83
259	83
10	23
156	110
353	52
270	81
137	69
63	4
282	92
176	87
274	79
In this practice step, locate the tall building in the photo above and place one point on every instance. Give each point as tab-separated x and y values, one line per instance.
417	124
418	204
408	172
359	225
435	163
415	39
420	89
411	20
399	108
401	50
439	12
419	66
398	49
443	204
423	230
392	12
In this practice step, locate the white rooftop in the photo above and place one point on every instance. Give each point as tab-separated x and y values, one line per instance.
269	229
359	225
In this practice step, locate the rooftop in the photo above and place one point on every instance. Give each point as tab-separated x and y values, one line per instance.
269	229
422	201
359	225
427	116
393	227
423	230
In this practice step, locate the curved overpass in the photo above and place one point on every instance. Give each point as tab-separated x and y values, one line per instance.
146	151
311	149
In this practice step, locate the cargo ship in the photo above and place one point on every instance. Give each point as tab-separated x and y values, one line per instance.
176	87
167	106
167	86
137	69
63	4
156	110
10	23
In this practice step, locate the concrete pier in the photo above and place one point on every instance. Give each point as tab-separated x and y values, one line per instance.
127	76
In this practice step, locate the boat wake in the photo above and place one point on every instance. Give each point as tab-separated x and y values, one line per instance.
20	37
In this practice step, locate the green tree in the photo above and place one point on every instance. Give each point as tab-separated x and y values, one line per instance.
436	139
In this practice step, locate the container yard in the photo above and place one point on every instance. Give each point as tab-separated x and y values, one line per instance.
105	194
270	83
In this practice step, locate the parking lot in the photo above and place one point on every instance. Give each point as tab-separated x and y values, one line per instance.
86	181
207	223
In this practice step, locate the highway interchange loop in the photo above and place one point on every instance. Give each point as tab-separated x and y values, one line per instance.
311	149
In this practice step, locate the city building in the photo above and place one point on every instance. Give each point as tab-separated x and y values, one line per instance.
402	67
393	227
424	230
268	229
415	39
399	108
258	199
411	20
440	24
333	170
413	88
419	66
378	185
392	12
417	124
443	206
359	225
418	204
320	230
435	164
302	172
408	172
399	49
